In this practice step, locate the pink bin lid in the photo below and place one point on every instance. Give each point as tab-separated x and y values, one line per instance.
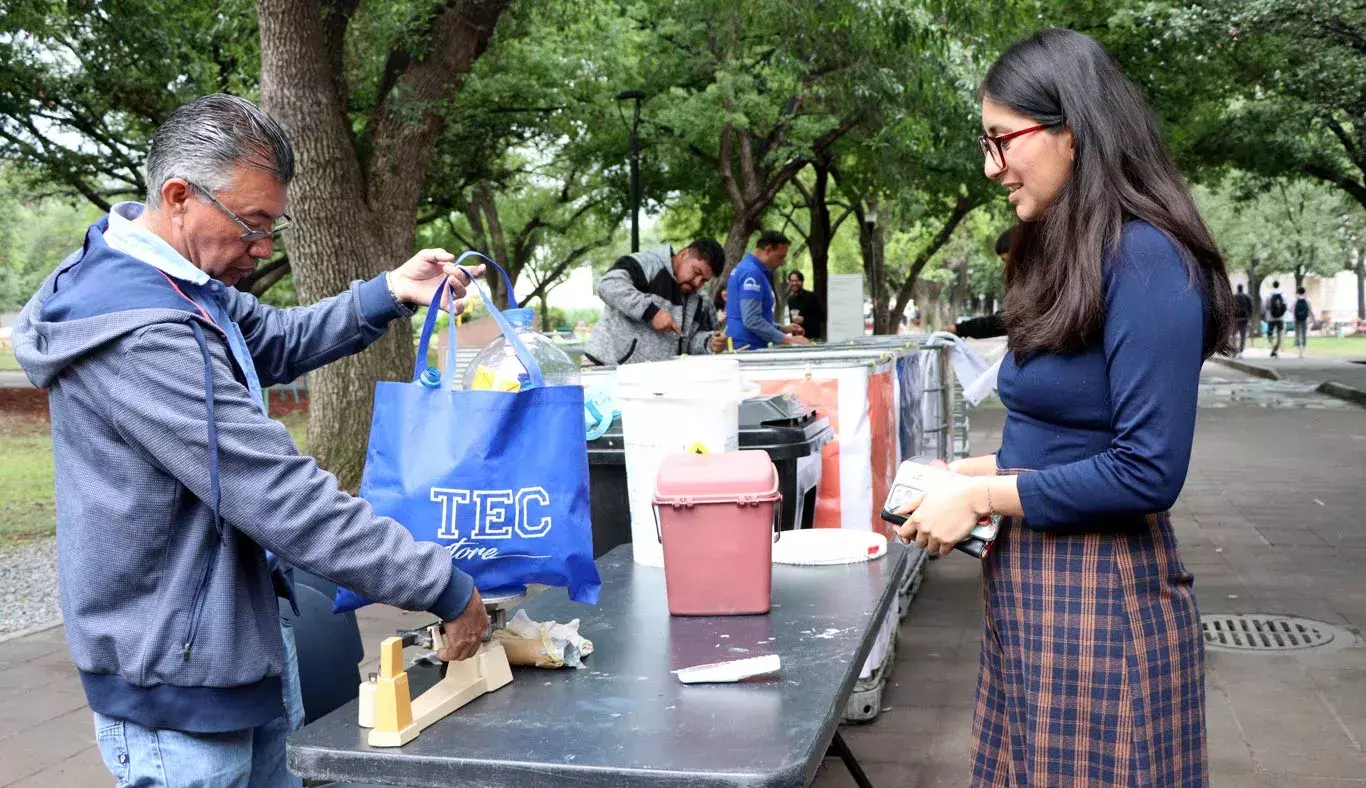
728	473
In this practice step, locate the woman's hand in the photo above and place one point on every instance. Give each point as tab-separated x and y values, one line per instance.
984	465
943	516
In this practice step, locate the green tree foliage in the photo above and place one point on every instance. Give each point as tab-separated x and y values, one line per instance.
83	85
36	234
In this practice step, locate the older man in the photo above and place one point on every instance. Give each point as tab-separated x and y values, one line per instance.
171	480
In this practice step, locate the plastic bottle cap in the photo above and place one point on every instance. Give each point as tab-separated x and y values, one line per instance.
521	317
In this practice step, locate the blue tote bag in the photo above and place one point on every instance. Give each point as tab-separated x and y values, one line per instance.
499	479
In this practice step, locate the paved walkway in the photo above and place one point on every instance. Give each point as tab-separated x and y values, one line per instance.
1345	375
1270	521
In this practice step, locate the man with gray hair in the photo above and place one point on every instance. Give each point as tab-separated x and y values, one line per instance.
172	482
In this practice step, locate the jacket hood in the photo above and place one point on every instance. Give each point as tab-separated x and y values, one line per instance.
97	295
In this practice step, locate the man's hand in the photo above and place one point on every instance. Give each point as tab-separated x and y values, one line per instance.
463	635
717	343
793	329
950	329
415	281
794	339
663	321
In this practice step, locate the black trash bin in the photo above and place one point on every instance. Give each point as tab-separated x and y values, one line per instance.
780	424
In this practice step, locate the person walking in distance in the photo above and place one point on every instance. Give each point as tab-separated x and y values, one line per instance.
1303	312
1276	307
1242	314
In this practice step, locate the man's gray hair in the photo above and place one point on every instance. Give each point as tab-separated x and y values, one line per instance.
205	140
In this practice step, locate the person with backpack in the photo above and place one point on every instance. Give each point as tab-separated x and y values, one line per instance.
1276	307
1303	312
1242	313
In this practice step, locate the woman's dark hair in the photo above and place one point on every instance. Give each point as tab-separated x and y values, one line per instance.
718	298
1055	298
1003	241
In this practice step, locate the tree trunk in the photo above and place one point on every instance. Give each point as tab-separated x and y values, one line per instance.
1254	290
737	239
1361	284
961	209
964	291
872	242
498	247
351	223
820	236
929	296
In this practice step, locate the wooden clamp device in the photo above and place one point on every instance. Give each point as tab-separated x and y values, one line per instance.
395	718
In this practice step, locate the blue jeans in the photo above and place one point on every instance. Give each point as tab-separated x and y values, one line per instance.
253	758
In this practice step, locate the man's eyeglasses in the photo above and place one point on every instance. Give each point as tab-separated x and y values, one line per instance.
993	147
249	234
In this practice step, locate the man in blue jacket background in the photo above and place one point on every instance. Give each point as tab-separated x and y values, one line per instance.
172	481
750	299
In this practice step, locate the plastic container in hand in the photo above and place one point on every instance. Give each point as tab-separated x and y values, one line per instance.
497	367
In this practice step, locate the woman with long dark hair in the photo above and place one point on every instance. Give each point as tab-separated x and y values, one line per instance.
1092	669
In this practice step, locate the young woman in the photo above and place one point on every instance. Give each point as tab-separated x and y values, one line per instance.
1092	654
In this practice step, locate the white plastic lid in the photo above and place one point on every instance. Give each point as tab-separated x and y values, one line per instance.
693	377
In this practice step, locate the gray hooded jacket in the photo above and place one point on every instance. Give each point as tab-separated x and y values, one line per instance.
171	483
633	291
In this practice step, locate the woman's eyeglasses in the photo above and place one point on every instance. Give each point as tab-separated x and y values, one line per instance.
994	148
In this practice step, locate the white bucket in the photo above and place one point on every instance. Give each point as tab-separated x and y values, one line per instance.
668	407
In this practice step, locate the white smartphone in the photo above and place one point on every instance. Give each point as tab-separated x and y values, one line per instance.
914	477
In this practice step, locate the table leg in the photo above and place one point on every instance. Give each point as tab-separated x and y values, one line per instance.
840	749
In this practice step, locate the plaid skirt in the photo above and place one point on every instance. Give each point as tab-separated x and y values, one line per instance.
1092	666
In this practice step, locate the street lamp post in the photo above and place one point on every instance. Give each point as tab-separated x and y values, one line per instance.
636	96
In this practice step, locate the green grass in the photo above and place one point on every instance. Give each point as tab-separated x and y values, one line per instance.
1319	346
1333	346
7	359
27	508
297	424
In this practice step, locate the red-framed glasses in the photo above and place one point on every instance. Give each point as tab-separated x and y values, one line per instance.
994	149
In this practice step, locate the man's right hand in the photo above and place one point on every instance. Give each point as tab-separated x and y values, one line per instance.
463	635
795	340
664	321
793	329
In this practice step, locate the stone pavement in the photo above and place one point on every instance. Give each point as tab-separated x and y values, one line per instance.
1270	521
1345	376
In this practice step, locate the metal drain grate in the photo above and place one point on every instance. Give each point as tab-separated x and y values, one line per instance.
1265	633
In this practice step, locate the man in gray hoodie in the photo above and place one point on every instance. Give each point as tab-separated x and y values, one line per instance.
172	482
654	308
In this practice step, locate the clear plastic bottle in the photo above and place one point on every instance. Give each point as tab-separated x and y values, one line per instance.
497	367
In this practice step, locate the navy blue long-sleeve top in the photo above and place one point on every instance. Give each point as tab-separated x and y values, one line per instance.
1109	427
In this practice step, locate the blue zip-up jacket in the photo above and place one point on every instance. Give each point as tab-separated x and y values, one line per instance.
171	484
749	306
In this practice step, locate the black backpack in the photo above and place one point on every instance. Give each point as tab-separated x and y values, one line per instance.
1301	310
1277	305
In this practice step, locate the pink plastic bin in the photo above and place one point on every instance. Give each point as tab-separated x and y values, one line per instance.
718	516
